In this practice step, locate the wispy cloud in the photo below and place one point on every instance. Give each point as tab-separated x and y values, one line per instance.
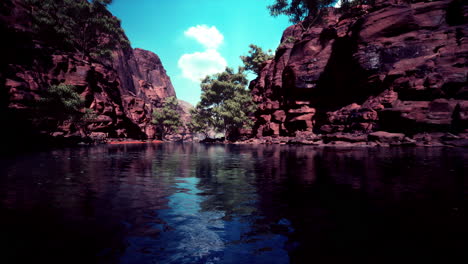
196	66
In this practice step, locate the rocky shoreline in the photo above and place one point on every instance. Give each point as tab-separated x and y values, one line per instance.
337	140
375	139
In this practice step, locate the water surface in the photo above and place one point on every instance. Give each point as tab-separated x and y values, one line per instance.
190	203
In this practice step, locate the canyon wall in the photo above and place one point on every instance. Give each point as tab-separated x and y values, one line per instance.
396	66
121	92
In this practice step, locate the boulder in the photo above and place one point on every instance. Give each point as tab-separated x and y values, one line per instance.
345	137
279	116
386	137
303	110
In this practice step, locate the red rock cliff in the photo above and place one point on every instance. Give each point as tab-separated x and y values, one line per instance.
396	66
122	92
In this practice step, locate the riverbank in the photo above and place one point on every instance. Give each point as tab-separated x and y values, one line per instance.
337	140
375	139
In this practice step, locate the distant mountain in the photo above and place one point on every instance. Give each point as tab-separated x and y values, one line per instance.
185	108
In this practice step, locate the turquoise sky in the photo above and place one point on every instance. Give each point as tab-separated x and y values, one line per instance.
162	26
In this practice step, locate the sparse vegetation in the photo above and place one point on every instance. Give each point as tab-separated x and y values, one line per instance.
85	26
61	102
256	59
288	40
306	12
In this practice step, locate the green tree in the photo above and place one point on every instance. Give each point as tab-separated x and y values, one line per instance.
299	10
167	119
198	122
61	102
255	61
85	26
225	104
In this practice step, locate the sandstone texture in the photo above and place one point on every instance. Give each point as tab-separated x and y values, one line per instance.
121	92
398	67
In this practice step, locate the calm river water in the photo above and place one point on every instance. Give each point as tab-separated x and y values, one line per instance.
190	203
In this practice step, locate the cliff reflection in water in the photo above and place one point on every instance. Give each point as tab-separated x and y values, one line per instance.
190	203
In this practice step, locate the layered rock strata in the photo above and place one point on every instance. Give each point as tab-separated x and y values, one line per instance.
397	66
121	92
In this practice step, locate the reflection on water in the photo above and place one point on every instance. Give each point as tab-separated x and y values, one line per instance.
189	203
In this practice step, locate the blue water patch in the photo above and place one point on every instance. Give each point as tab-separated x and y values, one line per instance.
192	235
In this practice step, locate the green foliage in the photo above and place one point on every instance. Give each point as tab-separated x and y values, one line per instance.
198	122
89	115
61	102
299	10
167	119
255	60
289	39
225	103
86	26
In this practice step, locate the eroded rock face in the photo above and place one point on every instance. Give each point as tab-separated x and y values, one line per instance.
144	85
397	67
121	92
152	72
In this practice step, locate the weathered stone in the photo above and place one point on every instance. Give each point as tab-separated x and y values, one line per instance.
307	135
303	110
98	136
386	137
345	137
275	128
458	143
279	116
307	118
266	118
122	92
398	66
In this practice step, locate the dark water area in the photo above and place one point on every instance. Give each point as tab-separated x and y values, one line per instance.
190	203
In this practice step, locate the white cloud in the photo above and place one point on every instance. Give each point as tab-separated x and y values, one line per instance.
196	66
209	37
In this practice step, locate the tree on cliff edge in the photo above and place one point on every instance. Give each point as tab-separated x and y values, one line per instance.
86	26
256	59
167	119
225	104
299	10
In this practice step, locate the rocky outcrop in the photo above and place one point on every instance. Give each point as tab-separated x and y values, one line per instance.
397	66
145	85
184	111
121	92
